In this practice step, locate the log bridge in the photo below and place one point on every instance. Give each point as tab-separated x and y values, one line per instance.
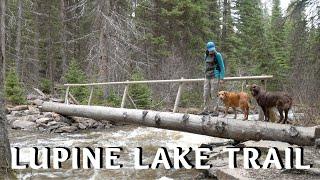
205	125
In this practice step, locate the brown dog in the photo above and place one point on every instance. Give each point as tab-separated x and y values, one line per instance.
266	100
234	100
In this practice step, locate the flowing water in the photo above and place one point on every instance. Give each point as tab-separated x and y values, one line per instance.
127	137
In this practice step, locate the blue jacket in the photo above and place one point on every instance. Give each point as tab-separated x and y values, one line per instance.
212	70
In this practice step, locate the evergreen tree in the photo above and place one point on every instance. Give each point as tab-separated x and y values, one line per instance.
277	38
14	91
113	99
76	75
140	93
252	50
228	40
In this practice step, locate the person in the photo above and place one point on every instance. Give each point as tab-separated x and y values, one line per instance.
214	75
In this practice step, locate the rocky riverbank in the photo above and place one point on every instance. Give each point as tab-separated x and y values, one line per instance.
30	118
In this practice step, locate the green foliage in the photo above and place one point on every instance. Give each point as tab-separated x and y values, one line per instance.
278	46
191	98
14	91
97	96
253	51
45	85
113	99
76	75
140	93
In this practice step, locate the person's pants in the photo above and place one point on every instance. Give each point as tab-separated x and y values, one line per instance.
210	92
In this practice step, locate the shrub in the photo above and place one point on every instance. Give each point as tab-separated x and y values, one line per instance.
76	75
14	91
140	93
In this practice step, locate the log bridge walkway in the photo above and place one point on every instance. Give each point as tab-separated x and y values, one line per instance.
206	125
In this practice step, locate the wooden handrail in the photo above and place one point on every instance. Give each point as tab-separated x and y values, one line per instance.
181	81
174	81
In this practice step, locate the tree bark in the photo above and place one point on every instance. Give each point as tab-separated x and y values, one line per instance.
50	49
205	125
18	42
5	153
63	37
3	39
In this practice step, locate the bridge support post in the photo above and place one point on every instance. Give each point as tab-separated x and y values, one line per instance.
176	103
124	97
66	100
90	97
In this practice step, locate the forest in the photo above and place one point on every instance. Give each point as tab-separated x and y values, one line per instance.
45	44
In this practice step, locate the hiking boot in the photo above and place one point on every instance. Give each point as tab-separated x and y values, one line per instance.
214	113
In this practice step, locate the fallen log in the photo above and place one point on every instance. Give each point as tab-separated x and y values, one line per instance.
205	125
18	108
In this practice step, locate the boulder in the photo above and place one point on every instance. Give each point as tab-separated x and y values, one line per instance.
33	110
82	126
17	113
43	120
48	114
37	102
66	129
11	118
23	124
63	119
31	118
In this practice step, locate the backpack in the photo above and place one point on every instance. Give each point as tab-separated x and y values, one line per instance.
214	60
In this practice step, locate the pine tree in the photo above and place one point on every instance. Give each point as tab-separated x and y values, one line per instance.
252	50
14	91
277	37
228	40
140	93
113	99
76	75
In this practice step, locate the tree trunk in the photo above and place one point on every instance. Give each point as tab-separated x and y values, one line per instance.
49	50
36	56
3	39
63	37
5	153
224	24
18	42
206	125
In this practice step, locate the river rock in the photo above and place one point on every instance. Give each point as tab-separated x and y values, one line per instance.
11	118
99	125
60	118
66	129
31	118
37	102
23	124
48	114
43	120
17	113
53	125
33	110
82	126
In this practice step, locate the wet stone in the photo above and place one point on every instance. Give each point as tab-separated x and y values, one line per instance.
23	124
